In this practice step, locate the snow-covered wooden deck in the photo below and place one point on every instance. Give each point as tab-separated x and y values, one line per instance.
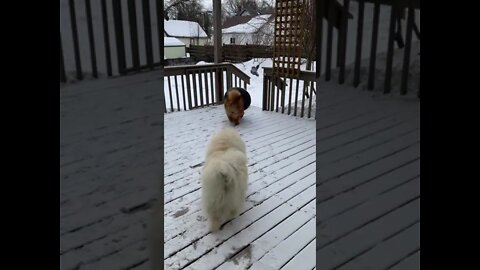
110	174
278	222
368	193
366	201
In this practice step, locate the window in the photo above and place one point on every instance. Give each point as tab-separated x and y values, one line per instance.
232	40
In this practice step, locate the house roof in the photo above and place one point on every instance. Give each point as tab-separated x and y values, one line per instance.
248	26
171	41
236	20
179	28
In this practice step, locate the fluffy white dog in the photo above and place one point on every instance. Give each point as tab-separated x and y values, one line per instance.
224	180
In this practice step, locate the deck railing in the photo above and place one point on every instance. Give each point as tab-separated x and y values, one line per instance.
281	94
198	86
109	37
398	11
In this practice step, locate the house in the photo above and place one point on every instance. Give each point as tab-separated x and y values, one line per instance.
248	29
186	31
174	48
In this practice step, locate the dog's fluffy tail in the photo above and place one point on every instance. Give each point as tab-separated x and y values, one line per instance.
219	180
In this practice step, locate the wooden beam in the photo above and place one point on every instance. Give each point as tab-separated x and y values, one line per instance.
217	50
217	31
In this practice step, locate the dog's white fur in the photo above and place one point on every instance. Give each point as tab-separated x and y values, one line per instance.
225	176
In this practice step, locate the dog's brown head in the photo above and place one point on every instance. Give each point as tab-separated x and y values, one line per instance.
234	106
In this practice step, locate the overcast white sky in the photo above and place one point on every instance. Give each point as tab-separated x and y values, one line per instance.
208	4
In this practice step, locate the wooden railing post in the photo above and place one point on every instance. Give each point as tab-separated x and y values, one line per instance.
264	97
63	76
120	42
219	85
229	78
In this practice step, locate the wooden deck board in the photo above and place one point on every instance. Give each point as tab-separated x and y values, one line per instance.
368	194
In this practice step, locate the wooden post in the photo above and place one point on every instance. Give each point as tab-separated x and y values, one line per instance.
117	20
63	76
217	51
106	38
76	46
91	40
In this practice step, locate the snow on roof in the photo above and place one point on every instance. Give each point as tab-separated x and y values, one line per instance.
249	27
178	28
171	41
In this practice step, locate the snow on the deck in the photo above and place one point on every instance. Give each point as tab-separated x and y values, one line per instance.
280	204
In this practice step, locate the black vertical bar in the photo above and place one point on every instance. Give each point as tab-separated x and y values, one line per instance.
229	78
205	75
219	83
176	91
277	82
132	19
117	18
296	98
408	47
91	39
391	34
159	4
106	38
320	9
305	86
147	28
183	92
63	76
189	91
339	45
195	94
289	96
200	88
283	90
373	52
212	86
343	41
267	98
76	47
164	101
264	96
170	91
328	70
358	52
